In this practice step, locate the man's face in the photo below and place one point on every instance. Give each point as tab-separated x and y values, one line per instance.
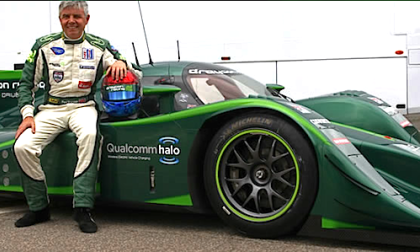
73	22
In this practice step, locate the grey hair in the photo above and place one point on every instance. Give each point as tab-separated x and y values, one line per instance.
74	4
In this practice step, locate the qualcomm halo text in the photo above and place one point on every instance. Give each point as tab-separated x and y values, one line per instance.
166	147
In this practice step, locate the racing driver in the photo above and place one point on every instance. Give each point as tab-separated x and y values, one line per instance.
70	63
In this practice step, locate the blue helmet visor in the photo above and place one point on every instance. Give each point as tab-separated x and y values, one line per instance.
120	96
120	92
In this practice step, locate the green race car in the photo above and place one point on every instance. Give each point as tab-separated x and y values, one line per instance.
208	138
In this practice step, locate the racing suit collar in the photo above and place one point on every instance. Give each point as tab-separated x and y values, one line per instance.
72	41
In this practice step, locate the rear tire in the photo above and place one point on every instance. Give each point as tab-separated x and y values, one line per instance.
261	175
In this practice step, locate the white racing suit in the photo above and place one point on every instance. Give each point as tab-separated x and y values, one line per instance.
70	69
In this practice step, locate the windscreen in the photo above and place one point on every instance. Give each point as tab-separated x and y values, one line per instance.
213	83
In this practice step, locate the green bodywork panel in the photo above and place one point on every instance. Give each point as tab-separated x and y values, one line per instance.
377	136
361	110
9	81
368	170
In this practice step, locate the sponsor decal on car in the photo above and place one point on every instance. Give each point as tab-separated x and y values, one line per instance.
58	76
183	97
339	141
405	123
8	89
57	50
319	122
409	147
166	149
209	71
6	85
377	100
170	151
301	109
389	110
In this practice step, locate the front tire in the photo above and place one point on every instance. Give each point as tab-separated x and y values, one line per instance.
261	175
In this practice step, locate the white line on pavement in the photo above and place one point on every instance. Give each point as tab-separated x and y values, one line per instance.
14	209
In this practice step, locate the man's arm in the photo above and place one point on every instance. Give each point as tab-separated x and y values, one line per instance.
118	64
31	76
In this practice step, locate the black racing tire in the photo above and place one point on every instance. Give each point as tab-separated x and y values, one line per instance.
261	175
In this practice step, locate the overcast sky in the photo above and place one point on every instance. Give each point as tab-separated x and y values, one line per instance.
247	30
208	30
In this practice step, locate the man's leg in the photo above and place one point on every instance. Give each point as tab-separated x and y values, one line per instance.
27	149
84	123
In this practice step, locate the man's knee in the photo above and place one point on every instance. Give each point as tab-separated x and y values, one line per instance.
88	134
20	147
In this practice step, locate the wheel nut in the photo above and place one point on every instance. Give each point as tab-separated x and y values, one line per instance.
260	174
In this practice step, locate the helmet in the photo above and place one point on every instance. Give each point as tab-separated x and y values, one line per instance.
121	98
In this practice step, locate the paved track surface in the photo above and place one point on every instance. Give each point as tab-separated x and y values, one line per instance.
123	229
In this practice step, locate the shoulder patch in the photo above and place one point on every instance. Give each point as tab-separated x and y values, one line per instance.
97	41
48	38
31	56
113	49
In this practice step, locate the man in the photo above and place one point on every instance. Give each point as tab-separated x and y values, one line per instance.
70	63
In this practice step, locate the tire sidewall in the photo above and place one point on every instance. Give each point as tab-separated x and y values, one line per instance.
291	220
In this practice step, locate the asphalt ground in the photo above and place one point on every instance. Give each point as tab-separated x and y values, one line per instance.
124	229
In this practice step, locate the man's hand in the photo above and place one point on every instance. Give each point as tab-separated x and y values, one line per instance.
118	70
28	122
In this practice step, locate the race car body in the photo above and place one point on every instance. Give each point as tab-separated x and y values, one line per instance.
209	138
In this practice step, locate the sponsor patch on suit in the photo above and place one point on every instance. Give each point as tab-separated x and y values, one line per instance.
53	100
58	76
54	64
57	50
86	67
113	49
85	84
87	54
